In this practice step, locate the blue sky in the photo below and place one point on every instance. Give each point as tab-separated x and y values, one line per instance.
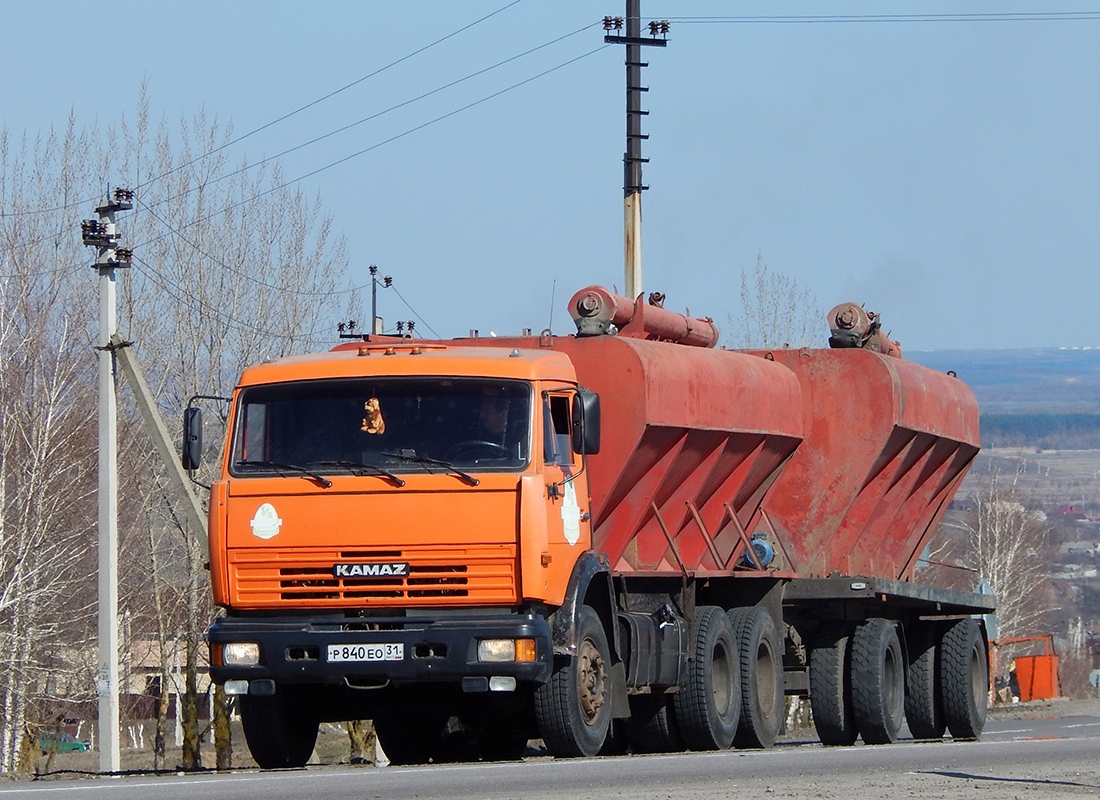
946	174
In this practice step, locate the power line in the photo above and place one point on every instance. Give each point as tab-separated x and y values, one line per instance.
413	310
241	273
276	121
380	113
1023	16
384	142
321	99
202	307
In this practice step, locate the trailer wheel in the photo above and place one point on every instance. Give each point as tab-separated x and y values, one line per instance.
923	705
651	727
708	703
964	675
281	729
407	740
878	681
573	708
761	677
830	691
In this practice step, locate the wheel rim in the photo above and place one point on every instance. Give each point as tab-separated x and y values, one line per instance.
765	678
978	680
722	681
592	680
892	688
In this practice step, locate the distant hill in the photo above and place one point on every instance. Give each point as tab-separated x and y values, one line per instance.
1046	398
1044	380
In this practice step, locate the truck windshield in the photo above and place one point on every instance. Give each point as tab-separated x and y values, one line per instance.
362	426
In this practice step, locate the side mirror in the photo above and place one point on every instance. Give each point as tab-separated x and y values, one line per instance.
191	455
586	422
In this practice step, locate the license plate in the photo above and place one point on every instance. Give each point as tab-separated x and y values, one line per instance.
389	651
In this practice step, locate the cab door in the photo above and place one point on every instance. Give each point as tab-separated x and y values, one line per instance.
555	505
567	500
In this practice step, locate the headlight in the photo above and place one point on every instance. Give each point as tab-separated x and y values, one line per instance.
241	654
506	650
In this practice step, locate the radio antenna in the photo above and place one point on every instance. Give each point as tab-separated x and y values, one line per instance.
553	289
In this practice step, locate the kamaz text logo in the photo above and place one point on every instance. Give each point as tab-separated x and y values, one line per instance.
392	570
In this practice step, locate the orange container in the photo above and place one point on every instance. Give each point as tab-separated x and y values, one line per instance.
1038	677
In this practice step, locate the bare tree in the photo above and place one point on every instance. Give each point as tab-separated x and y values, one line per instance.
1007	543
776	311
47	456
234	270
232	266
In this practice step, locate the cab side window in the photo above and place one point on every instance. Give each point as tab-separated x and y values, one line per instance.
557	445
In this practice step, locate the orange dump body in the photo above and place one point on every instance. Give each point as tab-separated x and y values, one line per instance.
692	440
887	444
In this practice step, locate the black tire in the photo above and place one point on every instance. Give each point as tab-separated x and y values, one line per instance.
651	727
964	679
923	703
573	708
409	740
761	655
616	743
830	690
281	729
708	704
878	681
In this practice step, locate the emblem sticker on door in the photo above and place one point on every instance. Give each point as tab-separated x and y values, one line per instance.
266	522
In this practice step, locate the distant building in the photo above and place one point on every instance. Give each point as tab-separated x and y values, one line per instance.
1068	512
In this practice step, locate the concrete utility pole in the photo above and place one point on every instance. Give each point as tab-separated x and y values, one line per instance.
102	235
632	159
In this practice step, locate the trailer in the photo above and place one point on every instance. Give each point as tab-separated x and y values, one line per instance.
622	539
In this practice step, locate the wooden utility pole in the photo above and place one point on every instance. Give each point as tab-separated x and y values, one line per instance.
632	159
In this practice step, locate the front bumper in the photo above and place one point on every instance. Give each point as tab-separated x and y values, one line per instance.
436	650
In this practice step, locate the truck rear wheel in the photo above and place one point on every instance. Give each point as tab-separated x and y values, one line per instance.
708	703
573	708
761	677
281	729
964	676
830	690
878	681
923	705
651	727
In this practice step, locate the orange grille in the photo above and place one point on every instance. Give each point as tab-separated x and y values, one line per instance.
266	578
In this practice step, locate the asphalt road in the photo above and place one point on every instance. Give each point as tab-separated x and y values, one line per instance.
1038	758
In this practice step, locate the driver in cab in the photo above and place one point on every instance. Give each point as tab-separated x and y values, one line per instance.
492	417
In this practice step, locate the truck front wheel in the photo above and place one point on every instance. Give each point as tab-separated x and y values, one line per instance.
281	729
573	708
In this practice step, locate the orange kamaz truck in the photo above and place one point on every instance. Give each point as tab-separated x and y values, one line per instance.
620	539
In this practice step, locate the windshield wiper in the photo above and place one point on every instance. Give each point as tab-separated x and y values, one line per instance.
275	465
411	457
360	465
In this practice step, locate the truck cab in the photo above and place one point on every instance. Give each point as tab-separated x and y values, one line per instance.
390	516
